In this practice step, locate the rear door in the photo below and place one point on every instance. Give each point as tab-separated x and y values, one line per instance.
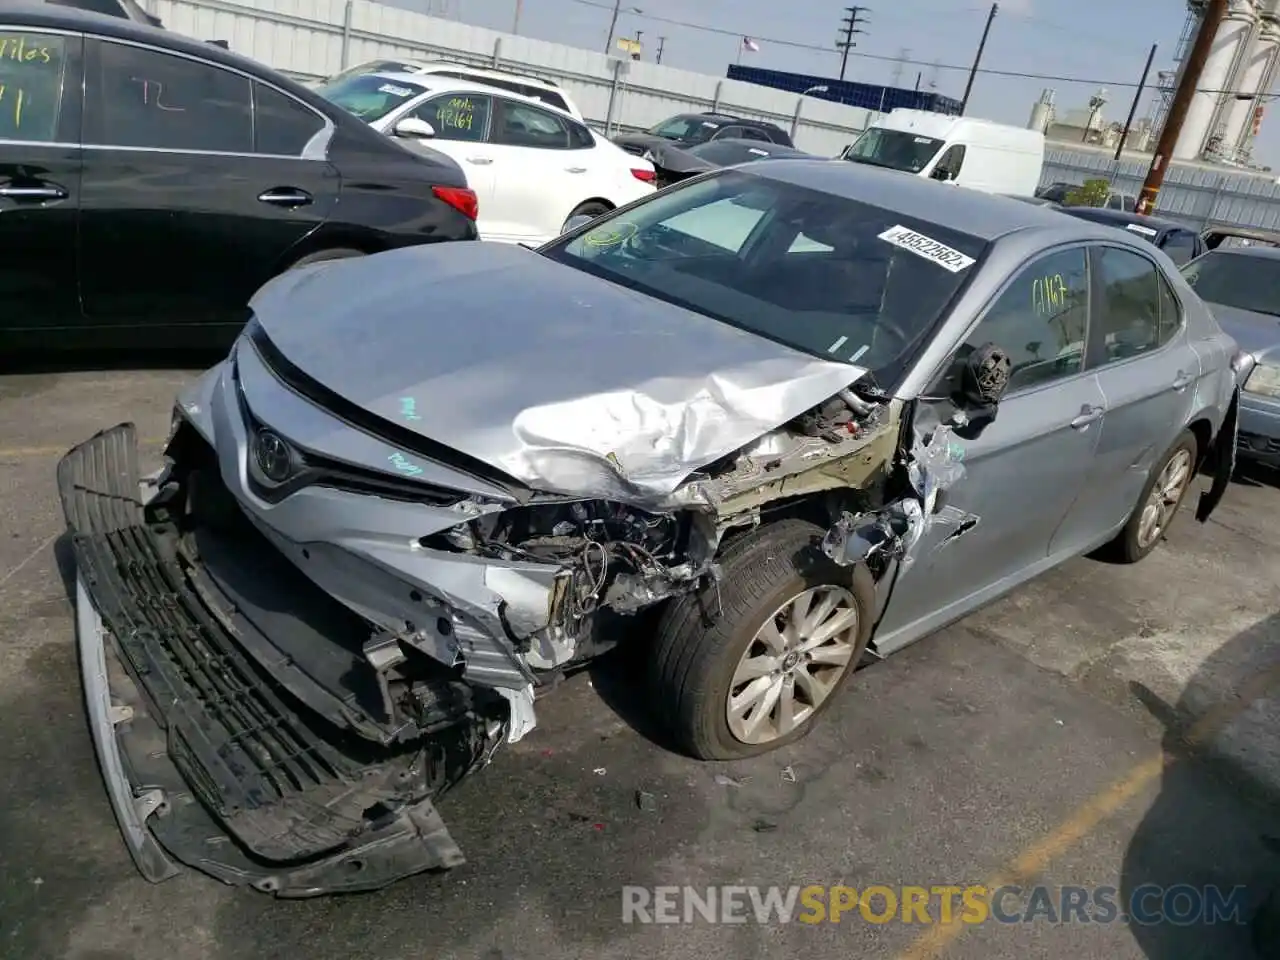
189	202
1139	348
1024	470
40	156
543	170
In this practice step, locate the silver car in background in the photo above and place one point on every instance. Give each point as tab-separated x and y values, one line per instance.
1241	284
806	409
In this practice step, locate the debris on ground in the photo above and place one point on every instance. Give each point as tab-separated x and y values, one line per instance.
764	826
599	771
646	801
723	781
788	774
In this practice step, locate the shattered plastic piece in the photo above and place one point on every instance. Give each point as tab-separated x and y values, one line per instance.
935	466
764	826
646	801
788	774
599	771
724	781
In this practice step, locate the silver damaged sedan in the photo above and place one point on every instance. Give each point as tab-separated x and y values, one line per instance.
814	411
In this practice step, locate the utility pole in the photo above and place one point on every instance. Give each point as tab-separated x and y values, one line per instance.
977	59
613	26
1182	97
1137	96
852	27
903	56
662	42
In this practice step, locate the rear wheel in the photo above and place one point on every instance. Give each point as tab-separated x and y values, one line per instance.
751	667
1161	497
592	208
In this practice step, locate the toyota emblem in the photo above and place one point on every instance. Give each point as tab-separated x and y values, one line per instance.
272	455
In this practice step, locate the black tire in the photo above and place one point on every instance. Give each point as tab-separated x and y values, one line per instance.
1127	546
323	256
698	648
592	208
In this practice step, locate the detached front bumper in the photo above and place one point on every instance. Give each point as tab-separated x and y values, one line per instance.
206	761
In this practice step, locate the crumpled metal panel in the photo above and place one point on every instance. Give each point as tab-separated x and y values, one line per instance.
567	382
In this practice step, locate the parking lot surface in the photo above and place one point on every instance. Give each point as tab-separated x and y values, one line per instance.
1048	739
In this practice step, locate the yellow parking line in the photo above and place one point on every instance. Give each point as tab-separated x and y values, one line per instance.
19	453
1086	818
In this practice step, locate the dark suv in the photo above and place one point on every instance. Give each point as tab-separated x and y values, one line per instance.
686	129
151	183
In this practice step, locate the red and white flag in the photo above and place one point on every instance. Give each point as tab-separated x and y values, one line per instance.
749	44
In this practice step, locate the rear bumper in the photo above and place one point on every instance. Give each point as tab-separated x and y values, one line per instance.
206	762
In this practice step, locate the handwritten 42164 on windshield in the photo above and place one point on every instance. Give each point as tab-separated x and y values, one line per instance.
24	65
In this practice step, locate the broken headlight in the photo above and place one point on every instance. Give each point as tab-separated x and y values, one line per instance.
1264	380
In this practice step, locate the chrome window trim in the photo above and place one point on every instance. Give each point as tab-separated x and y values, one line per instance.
316	149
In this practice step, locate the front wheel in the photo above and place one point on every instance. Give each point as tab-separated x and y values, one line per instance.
749	668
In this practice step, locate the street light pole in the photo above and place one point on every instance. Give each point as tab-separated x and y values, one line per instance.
795	119
977	59
1133	107
1210	21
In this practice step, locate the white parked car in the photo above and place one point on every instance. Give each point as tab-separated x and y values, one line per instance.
536	88
533	168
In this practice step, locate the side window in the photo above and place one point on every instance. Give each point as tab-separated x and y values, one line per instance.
1130	321
950	163
580	137
1170	312
32	66
281	125
1040	320
728	133
522	125
457	116
1180	246
751	133
153	99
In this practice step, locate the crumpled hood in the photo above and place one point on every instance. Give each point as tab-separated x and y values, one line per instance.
670	156
566	382
1258	334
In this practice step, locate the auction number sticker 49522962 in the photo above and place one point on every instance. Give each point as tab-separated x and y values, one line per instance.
927	247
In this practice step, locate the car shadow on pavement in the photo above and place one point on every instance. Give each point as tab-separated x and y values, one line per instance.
1211	825
1249	474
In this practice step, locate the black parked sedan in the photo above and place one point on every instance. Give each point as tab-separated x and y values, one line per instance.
1180	242
673	163
149	184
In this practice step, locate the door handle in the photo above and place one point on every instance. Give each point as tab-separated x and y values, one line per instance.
49	191
1182	382
286	197
1087	416
480	161
575	169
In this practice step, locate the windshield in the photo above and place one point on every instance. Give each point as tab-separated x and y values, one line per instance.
894	149
836	278
686	129
369	97
1237	280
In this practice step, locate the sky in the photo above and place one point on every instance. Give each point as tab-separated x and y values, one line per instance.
1081	44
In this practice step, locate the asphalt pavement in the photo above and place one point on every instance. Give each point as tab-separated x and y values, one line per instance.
1103	727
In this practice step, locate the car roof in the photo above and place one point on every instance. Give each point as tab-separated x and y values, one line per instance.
431	83
58	17
428	67
1123	217
986	216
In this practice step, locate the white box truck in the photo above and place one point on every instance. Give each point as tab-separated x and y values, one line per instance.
966	151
